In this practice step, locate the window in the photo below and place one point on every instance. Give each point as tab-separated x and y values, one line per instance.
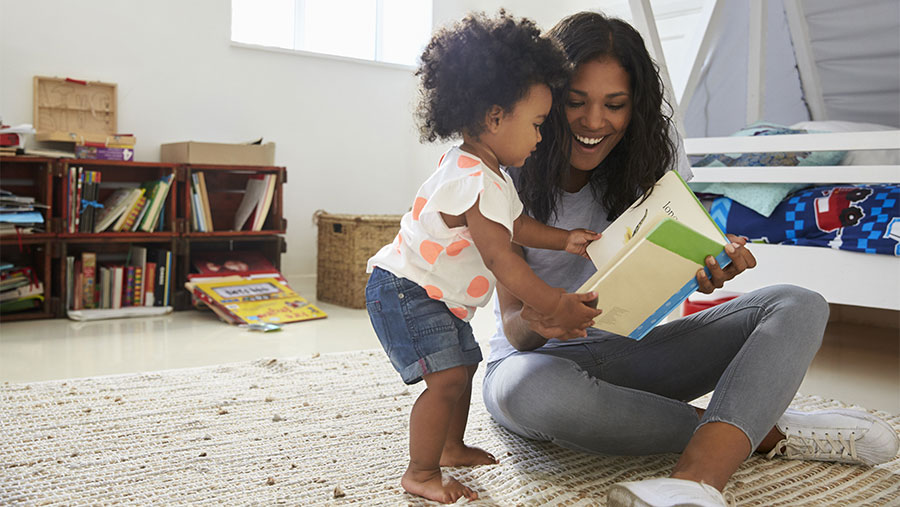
393	31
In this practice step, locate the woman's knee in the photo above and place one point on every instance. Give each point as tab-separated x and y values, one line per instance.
804	308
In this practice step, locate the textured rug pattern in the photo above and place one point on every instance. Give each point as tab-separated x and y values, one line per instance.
330	429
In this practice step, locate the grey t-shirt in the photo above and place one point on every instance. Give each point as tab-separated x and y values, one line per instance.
559	268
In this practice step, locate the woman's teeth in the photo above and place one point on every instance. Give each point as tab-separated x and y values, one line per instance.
588	140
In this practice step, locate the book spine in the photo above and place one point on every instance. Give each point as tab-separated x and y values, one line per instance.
117	283
673	302
88	280
133	213
167	292
78	199
70	280
138	292
128	290
78	288
149	283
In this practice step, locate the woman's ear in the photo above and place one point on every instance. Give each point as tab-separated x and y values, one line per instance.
493	118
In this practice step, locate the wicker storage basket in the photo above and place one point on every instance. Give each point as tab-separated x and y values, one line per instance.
345	244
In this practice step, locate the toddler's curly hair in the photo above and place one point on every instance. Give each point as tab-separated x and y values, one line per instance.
480	62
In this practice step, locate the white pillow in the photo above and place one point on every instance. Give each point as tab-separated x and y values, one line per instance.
858	157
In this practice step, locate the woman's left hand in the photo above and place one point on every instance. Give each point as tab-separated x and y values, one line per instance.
741	259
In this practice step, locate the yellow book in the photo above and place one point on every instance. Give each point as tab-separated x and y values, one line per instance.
648	258
254	300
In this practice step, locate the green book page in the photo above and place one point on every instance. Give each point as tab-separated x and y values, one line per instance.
684	241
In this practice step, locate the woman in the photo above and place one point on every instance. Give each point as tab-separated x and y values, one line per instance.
605	143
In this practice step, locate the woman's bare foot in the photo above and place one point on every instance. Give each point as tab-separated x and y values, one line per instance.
433	486
460	454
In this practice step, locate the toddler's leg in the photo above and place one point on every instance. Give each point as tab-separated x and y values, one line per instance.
428	426
456	452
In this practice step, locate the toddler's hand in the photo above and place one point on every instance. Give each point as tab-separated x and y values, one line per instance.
572	312
578	241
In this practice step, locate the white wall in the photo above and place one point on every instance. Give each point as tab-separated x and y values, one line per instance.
344	129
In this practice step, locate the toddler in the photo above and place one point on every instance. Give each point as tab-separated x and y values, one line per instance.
490	81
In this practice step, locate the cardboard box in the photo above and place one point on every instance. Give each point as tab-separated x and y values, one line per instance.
193	152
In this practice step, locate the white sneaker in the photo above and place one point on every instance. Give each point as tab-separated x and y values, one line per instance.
845	436
664	492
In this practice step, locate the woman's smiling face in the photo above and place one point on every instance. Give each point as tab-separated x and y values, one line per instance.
598	109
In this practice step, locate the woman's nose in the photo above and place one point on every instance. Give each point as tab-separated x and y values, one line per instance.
594	118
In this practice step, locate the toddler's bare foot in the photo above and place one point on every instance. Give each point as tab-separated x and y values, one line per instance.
433	486
460	454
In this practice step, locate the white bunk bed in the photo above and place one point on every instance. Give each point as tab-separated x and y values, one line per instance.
842	277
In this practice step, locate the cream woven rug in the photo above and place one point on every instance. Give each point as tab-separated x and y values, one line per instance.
323	430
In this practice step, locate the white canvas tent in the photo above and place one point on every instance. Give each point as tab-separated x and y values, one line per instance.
786	61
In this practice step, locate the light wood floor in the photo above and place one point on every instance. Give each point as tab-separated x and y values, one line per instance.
858	363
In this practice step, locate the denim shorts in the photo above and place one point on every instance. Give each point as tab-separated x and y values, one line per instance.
419	334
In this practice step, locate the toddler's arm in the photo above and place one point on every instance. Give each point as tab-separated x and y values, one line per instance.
531	233
493	243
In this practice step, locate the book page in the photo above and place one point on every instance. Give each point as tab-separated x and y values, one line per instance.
671	198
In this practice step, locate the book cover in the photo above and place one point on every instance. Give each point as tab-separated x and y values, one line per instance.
262	209
259	300
22	304
113	207
648	258
204	202
253	194
157	200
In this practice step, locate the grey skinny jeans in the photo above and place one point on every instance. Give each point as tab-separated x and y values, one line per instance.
626	397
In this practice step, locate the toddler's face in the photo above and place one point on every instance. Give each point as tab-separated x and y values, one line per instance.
519	131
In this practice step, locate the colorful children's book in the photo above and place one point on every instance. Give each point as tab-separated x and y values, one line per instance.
256	300
648	258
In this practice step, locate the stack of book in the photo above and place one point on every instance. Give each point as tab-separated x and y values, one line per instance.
117	147
143	279
244	288
18	214
19	289
254	207
201	214
139	209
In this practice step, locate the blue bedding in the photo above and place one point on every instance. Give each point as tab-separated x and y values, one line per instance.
860	218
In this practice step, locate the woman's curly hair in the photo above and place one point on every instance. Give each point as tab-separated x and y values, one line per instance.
644	153
480	62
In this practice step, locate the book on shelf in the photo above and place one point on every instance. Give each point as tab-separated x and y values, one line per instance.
204	201
257	200
131	205
158	191
31	289
89	274
22	304
127	220
117	203
648	258
235	262
201	216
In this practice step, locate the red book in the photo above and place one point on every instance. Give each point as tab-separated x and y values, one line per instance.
149	278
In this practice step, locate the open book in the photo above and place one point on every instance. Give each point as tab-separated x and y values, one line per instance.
648	258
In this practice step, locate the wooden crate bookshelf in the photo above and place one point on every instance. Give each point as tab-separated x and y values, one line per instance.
225	186
46	180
